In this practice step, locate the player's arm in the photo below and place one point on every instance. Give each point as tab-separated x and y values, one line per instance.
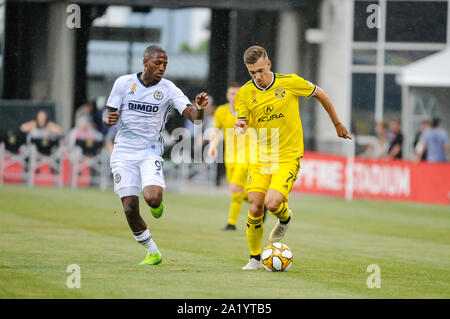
324	99
197	112
242	113
110	116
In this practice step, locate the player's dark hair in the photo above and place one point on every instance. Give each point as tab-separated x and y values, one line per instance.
436	121
253	54
235	85
152	49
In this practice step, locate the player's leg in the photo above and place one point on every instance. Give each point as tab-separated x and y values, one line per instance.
237	197
139	228
131	208
153	196
127	184
277	198
257	186
153	184
237	179
255	229
277	205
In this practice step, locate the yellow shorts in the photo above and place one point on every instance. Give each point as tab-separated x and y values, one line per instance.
237	173
279	176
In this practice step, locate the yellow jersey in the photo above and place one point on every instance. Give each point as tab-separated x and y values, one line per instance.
235	145
275	114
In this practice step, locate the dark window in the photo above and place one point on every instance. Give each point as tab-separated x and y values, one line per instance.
361	32
363	103
416	21
392	98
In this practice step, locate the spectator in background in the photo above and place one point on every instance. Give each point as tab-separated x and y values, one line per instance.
41	126
83	131
86	110
43	133
89	110
436	142
395	141
379	148
418	143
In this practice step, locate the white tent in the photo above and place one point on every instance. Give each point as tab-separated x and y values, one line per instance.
425	94
432	71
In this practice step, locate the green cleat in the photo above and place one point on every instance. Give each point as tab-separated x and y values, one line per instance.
157	212
152	259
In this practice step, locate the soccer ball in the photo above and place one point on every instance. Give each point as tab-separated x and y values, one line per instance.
277	257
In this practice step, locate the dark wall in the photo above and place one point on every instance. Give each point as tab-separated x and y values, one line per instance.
24	48
232	32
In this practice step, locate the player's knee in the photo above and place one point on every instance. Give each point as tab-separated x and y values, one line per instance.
153	201
256	209
272	204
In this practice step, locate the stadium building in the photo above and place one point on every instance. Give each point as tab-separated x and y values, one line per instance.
378	60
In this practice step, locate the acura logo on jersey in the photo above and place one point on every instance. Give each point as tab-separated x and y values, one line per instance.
158	95
142	107
267	116
268	109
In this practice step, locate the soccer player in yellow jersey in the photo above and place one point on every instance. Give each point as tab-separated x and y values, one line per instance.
271	102
235	165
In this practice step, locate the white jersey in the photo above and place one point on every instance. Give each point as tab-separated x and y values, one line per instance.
143	110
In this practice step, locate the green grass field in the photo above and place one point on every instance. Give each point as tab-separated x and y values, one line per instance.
43	230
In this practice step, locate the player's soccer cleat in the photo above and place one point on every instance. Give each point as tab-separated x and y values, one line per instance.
157	212
152	259
252	264
279	230
229	227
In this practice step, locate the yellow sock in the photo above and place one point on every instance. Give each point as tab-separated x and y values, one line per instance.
282	213
235	207
254	234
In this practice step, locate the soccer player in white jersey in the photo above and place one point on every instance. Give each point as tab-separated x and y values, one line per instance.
141	102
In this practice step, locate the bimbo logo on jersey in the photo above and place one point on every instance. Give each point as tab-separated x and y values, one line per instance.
143	107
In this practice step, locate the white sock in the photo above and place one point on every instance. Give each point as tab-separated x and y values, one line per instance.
145	238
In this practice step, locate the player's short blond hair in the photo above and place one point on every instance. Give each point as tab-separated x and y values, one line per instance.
254	53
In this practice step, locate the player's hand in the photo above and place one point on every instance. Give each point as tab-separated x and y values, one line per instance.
110	117
201	99
341	131
240	126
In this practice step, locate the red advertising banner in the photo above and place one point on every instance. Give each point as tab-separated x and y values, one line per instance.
14	173
377	179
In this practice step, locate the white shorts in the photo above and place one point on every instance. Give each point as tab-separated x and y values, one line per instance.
131	176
